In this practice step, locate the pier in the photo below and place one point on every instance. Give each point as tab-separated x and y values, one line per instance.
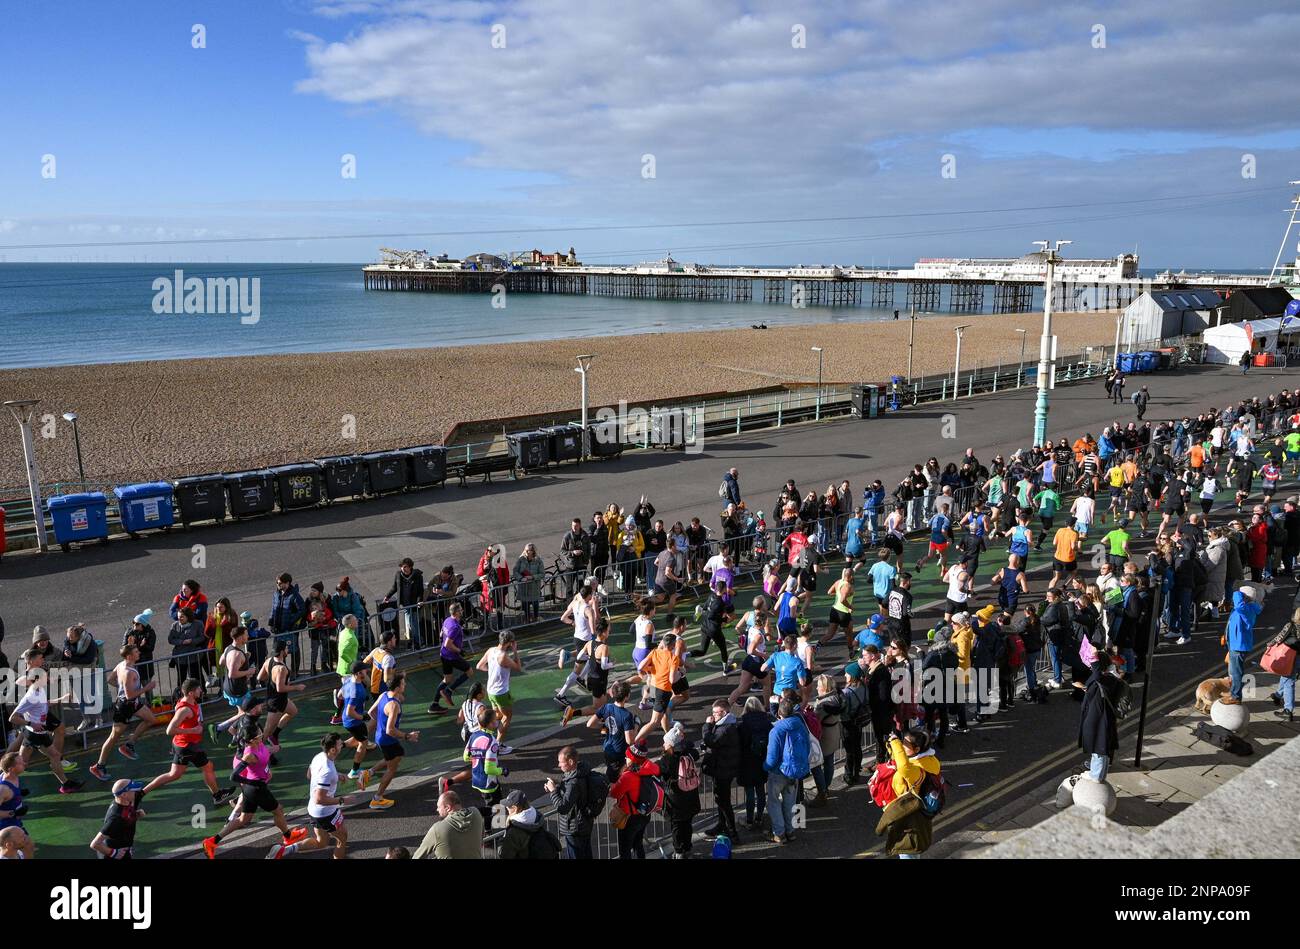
957	285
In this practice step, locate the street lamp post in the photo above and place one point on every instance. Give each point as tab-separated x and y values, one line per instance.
23	410
584	363
818	416
1051	255
76	437
911	340
1020	373
956	366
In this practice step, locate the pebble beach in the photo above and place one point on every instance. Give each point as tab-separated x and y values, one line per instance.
163	419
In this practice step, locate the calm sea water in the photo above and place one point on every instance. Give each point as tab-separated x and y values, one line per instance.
64	314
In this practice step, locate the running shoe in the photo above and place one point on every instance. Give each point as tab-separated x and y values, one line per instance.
436	709
363	778
699	611
644	706
560	698
504	750
277	852
223	794
564	659
127	750
296	834
444	785
210	847
71	765
381	804
1182	641
212	734
336	720
99	771
568	715
70	787
353	773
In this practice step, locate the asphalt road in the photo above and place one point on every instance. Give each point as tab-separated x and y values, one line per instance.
105	586
994	764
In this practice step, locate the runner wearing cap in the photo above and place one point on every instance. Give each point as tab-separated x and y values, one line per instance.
186	731
129	704
39	728
116	837
252	770
324	805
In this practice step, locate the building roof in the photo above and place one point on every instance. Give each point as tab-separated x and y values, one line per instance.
1185	299
1264	300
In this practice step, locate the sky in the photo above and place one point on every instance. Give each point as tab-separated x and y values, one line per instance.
723	132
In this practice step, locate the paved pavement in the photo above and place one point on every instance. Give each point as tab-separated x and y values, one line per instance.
995	764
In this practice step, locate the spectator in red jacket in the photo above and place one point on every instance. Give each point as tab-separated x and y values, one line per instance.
495	575
192	599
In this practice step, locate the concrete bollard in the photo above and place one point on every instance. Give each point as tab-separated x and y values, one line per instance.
1235	718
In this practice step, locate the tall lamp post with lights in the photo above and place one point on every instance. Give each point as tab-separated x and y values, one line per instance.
76	438
818	351
584	363
1046	348
23	410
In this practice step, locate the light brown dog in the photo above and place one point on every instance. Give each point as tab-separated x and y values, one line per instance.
1210	691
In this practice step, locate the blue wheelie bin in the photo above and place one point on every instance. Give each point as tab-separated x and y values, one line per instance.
1127	362
145	506
1150	360
79	518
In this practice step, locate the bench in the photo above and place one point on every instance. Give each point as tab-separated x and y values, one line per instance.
484	467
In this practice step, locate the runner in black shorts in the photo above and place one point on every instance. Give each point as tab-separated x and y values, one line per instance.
253	771
128	706
186	731
279	709
595	672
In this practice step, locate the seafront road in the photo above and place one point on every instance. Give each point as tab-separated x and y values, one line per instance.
992	765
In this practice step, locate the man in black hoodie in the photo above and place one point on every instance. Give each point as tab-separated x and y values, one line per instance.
408	585
571	798
880	698
722	739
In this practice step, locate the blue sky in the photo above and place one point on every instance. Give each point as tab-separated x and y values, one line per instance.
158	141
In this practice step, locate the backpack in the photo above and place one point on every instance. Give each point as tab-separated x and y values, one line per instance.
933	793
597	791
758	747
722	490
688	775
1015	651
854	710
1222	738
543	846
1123	703
650	795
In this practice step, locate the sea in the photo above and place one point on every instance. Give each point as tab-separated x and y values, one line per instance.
55	314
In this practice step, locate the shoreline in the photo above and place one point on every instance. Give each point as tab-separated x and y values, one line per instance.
153	419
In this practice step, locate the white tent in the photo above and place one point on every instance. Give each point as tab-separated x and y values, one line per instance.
1226	343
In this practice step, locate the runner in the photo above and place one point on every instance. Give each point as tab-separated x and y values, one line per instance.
1081	511
661	665
940	534
467	716
452	654
387	713
498	662
12	806
280	710
788	670
186	731
356	722
581	615
895	526
130	704
116	837
481	753
1048	503
236	679
382	661
839	617
620	726
1065	560
252	770
643	632
755	631
595	673
1011	582
37	727
711	616
324	805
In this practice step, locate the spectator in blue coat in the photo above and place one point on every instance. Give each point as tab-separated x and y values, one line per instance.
1241	636
788	745
288	612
